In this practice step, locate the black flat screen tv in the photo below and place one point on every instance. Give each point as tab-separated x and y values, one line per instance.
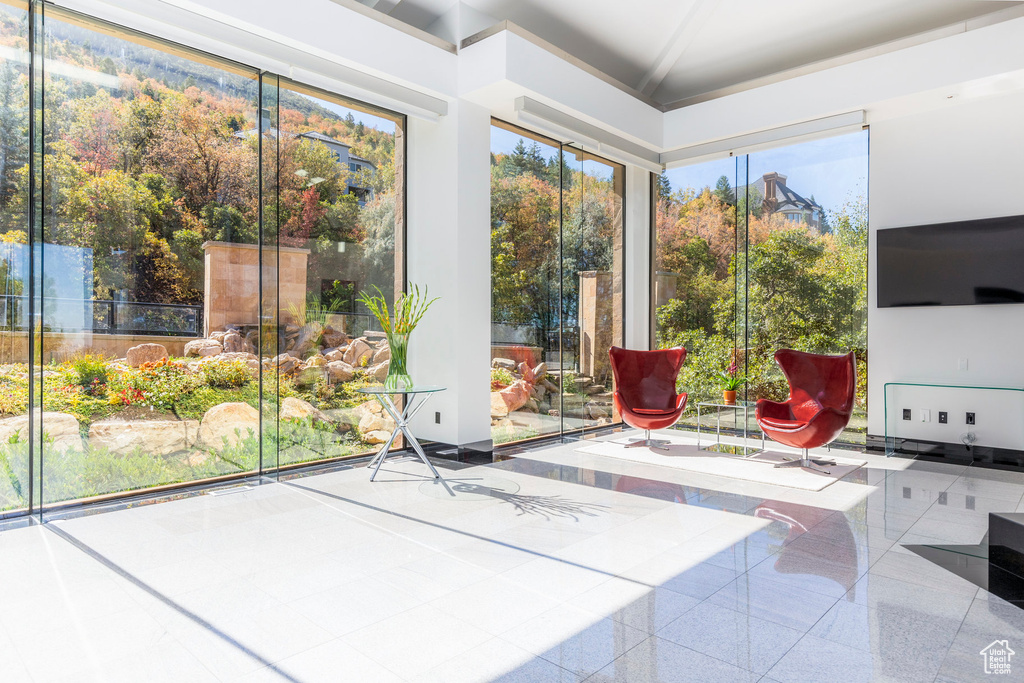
952	264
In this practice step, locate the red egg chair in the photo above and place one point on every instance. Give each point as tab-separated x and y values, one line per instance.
821	396
645	390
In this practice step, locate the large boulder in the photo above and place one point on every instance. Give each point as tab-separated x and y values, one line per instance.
316	361
499	408
339	371
383	352
379	371
506	363
309	335
296	409
333	337
153	437
231	421
515	395
286	364
376	437
335	354
357	351
249	359
145	353
235	343
203	347
60	429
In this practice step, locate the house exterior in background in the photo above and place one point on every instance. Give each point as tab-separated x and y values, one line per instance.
779	198
351	164
348	161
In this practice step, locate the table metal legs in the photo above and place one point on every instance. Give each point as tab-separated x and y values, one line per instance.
401	427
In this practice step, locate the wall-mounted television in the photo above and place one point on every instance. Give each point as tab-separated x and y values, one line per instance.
952	264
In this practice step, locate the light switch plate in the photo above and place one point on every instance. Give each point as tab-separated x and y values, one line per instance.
926	415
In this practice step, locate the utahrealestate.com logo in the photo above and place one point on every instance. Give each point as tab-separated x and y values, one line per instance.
997	657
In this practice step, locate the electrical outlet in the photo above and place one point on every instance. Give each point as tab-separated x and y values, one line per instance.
906	413
926	415
970	418
437	417
961	364
943	417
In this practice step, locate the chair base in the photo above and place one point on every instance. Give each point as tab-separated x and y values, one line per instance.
807	463
648	442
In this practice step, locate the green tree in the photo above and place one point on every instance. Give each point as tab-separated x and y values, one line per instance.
723	190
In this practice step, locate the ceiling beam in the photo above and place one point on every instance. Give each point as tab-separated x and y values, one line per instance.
690	25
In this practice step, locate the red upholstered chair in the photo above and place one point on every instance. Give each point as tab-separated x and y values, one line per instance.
645	389
821	395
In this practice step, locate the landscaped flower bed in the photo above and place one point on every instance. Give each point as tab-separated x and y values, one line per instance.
108	426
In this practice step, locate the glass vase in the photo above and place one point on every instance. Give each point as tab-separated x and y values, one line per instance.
398	370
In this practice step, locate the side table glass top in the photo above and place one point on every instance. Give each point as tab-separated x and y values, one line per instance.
378	389
722	404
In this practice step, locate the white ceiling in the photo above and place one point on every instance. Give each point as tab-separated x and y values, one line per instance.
678	49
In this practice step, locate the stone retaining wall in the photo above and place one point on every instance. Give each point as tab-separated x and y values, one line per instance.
62	345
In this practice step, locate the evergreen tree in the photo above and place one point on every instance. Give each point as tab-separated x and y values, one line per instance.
13	129
663	186
723	190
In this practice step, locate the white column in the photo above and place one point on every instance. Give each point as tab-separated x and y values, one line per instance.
449	249
638	257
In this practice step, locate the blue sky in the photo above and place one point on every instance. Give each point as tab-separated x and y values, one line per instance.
369	120
504	141
832	169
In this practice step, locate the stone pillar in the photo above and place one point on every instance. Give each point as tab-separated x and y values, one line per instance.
231	285
598	325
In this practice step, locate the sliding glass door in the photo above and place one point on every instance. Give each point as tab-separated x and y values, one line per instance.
556	285
760	252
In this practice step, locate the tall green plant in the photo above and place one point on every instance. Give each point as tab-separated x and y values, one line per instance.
408	309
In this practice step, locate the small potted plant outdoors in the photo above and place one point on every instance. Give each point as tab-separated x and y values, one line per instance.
398	324
731	381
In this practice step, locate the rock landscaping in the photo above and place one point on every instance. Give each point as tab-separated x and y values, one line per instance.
150	418
521	394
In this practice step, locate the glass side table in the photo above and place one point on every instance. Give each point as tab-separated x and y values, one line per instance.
893	412
718	446
401	418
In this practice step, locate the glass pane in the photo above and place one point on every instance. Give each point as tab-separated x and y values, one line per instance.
599	273
591	286
526	366
340	211
695	286
15	484
150	374
807	261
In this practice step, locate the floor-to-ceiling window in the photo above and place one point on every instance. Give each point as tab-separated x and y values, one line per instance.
338	207
759	252
556	285
15	255
181	250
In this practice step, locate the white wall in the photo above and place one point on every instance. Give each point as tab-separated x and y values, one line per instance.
959	162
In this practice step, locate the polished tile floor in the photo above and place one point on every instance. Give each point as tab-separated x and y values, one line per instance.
553	565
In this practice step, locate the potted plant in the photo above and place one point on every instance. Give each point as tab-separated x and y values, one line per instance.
731	381
409	309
